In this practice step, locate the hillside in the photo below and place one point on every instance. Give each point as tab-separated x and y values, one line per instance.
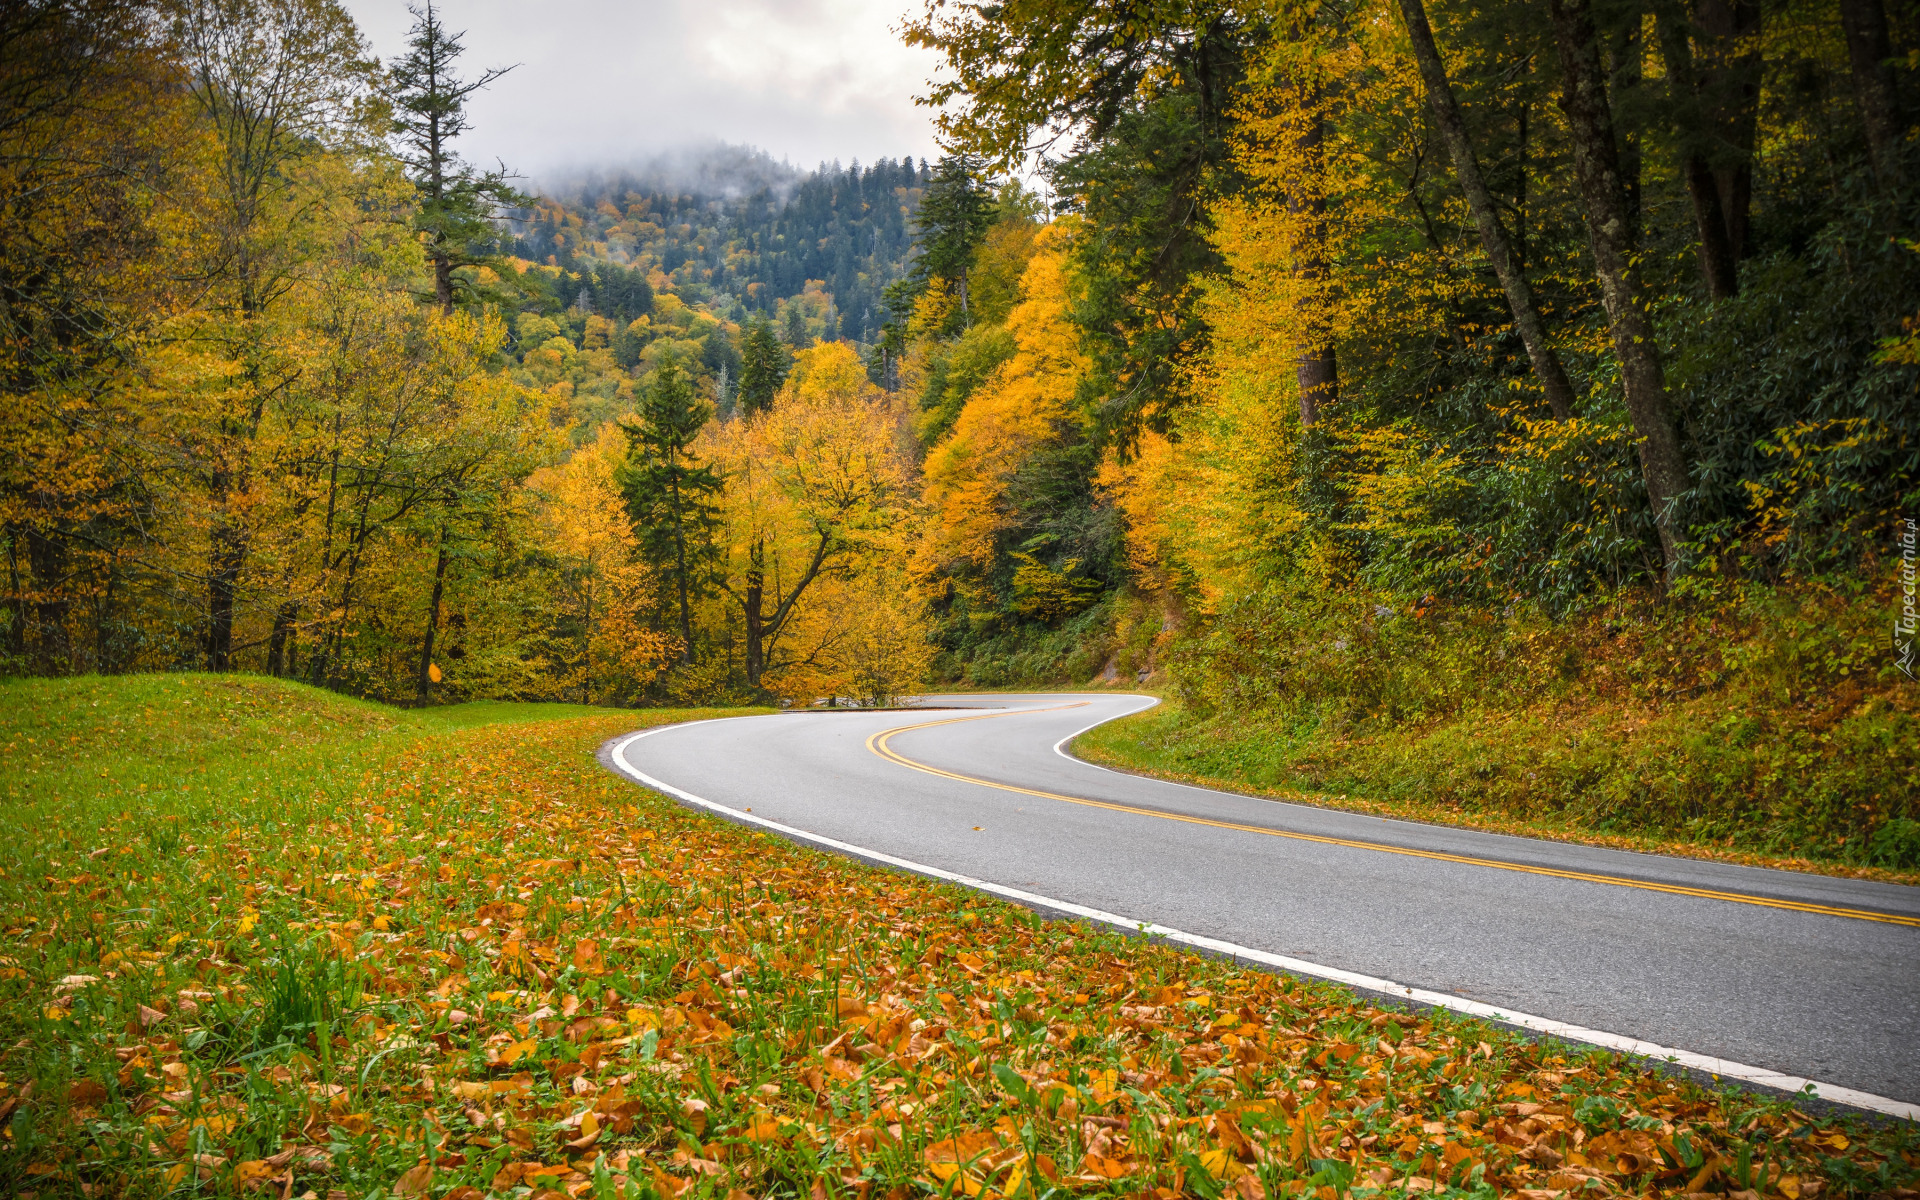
609	272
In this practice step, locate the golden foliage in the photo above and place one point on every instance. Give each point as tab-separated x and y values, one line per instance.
817	494
605	588
1018	408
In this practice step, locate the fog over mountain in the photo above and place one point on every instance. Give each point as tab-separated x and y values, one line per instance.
601	82
709	168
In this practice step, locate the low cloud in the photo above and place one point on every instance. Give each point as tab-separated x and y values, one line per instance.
610	82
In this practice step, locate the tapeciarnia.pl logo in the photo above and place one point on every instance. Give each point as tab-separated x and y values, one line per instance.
1906	621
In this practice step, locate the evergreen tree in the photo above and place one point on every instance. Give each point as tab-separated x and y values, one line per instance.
668	492
722	362
457	203
797	338
952	221
763	366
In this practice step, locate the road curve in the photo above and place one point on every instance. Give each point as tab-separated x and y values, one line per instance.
1804	975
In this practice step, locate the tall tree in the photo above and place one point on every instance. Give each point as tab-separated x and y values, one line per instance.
951	223
457	203
1719	265
1713	91
1875	88
814	484
1486	218
796	331
668	491
1597	168
1728	73
763	365
1148	95
90	182
275	79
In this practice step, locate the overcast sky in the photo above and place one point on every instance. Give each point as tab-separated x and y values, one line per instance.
607	82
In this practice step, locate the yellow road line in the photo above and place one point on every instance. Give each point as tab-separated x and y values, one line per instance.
878	744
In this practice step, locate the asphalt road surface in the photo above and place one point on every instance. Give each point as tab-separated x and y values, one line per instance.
1756	971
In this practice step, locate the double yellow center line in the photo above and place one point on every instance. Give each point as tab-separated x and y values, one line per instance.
878	743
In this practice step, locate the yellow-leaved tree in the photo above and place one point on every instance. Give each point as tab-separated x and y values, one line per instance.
814	515
601	648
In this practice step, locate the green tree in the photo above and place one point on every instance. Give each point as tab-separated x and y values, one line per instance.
1486	215
457	203
952	221
722	361
763	366
669	492
1147	95
796	331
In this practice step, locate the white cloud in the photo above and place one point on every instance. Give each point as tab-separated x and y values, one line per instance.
604	82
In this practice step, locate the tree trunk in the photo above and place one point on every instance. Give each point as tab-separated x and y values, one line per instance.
16	597
226	556
103	660
1729	78
1493	235
1624	77
443	283
326	664
1597	168
751	608
423	682
680	576
1719	264
280	644
1319	375
47	557
1718	255
1870	51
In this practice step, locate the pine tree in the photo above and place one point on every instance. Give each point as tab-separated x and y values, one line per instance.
952	221
763	366
796	331
668	492
457	203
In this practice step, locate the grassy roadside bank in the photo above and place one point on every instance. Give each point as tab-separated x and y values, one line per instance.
1169	742
260	938
1770	726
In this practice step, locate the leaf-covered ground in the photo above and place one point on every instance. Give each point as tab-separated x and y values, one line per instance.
369	953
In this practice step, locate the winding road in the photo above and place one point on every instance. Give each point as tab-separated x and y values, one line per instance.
1778	978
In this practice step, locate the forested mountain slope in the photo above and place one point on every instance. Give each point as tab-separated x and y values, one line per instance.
751	242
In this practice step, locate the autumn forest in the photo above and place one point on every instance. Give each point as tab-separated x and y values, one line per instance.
1345	367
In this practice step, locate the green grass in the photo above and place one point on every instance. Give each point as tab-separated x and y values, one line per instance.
1768	726
291	943
59	737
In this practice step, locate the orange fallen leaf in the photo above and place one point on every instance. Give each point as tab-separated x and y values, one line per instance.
415	1182
86	1092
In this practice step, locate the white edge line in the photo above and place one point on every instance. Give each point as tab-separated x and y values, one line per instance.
1717	1067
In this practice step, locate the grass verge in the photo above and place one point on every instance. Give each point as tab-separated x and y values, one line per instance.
1251	757
1767	725
294	944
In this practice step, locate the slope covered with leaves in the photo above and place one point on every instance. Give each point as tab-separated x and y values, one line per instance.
456	962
